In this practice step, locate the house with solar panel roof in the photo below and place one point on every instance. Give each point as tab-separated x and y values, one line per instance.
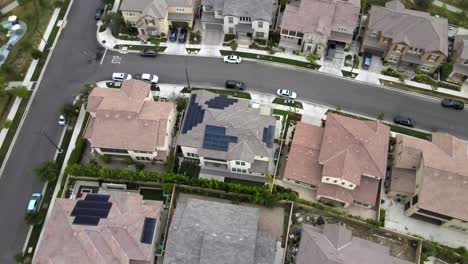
228	137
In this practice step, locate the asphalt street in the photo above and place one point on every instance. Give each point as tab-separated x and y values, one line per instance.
73	64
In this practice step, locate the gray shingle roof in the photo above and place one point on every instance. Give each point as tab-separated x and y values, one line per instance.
255	9
240	120
205	232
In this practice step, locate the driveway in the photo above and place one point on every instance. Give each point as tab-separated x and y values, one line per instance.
212	37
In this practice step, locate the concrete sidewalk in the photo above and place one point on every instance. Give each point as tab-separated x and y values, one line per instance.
9	7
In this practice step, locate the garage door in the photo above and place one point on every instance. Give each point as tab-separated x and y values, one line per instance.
209	26
179	24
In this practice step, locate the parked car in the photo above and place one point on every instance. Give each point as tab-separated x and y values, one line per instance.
113	84
404	121
455	104
99	12
34	202
233	84
183	35
120	76
286	94
148	53
62	120
367	61
173	34
149	78
232	59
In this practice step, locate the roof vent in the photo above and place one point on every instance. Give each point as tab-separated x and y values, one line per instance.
129	117
116	115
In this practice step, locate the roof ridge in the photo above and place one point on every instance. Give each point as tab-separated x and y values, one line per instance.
368	153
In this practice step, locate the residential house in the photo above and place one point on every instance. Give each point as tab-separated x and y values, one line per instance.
117	227
245	18
153	17
342	163
460	59
208	232
227	137
335	243
127	122
406	37
431	177
309	25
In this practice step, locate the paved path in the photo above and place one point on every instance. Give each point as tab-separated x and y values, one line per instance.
449	7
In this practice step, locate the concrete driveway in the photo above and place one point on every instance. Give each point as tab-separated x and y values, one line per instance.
212	37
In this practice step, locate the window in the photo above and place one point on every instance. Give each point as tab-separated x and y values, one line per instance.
351	186
259	34
426	67
260	24
180	10
335	181
231	30
114	150
230	20
292	33
374	34
393	58
342	183
244	19
244	171
398	48
433	57
300	34
242	163
220	13
237	162
327	179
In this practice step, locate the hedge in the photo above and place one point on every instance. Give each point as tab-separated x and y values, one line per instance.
391	72
258	195
77	152
229	37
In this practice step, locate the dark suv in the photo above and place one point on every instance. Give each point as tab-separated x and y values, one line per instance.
450	103
173	34
99	12
148	53
404	121
233	84
183	35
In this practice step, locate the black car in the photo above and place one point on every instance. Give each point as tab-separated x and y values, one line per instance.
233	84
183	35
148	53
404	121
99	12
173	34
450	103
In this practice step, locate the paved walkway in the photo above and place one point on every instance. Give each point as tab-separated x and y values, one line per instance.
449	7
395	219
9	7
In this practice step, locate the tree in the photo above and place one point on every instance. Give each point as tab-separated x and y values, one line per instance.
36	54
20	91
380	116
70	110
34	218
423	4
445	70
47	171
233	45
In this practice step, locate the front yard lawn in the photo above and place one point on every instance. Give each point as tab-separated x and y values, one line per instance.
242	95
282	101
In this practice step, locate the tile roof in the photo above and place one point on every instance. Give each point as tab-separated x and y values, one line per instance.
403	181
334	244
255	9
124	119
461	44
205	232
239	119
116	239
324	17
444	172
414	28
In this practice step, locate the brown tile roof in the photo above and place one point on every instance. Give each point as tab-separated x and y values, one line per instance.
302	164
366	142
414	28
116	239
367	191
323	17
335	192
124	119
444	173
403	181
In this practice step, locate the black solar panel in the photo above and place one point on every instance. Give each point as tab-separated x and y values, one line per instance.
97	197
93	204
148	230
90	212
216	139
194	116
220	102
268	136
86	220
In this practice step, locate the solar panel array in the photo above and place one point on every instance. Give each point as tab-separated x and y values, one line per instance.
194	116
268	136
148	230
216	139
220	102
90	210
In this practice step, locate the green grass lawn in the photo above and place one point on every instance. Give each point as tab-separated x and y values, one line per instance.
422	91
242	95
271	58
458	19
36	14
281	101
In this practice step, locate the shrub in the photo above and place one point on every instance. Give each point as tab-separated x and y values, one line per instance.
445	70
348	57
423	78
7	124
77	152
162	35
58	4
296	52
229	37
105	158
129	161
391	72
34	218
20	91
312	57
170	162
47	171
233	45
261	42
36	54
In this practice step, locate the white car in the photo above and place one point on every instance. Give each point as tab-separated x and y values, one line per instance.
120	76
61	120
232	59
150	78
286	94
